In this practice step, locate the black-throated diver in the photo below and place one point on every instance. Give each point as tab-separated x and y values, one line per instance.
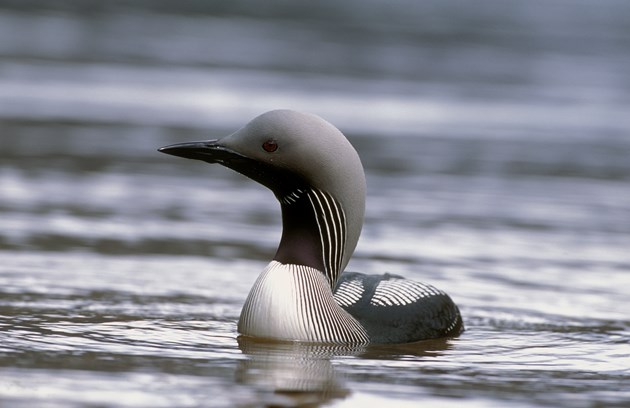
302	295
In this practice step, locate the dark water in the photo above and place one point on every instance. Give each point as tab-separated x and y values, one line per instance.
496	141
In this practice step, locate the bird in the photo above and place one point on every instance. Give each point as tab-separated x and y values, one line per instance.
304	293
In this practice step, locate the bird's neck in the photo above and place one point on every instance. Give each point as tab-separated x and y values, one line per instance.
313	232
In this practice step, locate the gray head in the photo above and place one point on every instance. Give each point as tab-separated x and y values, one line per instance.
313	171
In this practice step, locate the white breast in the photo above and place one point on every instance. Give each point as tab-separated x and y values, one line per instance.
295	302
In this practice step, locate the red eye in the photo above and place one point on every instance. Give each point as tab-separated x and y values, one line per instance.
270	146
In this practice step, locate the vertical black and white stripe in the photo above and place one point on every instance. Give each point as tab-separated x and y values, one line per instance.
331	221
294	302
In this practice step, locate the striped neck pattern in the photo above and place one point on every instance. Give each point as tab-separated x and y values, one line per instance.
318	215
331	222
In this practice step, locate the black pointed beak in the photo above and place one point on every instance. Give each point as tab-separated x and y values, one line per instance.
209	151
214	151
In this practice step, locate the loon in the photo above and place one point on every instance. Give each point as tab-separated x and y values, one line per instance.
302	294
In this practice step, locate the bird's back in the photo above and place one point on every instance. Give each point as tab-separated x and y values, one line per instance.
393	309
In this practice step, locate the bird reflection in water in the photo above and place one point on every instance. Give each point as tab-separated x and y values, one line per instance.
298	374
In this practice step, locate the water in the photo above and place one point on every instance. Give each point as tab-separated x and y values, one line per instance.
495	139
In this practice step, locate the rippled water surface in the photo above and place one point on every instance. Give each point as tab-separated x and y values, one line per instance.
496	143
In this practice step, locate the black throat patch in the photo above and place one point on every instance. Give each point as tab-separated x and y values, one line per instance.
313	232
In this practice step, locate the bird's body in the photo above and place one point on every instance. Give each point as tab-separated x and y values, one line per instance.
302	295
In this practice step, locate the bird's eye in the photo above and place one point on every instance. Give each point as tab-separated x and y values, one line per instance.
270	146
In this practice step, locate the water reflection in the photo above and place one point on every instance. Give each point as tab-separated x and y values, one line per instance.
301	374
292	374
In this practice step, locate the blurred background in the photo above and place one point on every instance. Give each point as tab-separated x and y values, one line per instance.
495	135
90	88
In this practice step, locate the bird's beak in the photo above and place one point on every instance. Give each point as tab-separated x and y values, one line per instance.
210	151
214	151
